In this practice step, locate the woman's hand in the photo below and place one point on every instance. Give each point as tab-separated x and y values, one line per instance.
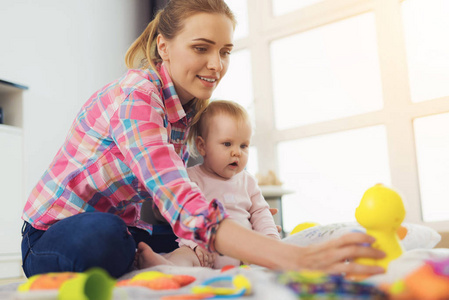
337	255
334	256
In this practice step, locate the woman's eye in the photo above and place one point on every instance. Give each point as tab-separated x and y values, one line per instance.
225	52
200	49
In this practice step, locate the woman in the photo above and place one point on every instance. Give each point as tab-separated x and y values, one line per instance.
127	145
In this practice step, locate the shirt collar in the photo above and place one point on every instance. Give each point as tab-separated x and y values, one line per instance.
175	111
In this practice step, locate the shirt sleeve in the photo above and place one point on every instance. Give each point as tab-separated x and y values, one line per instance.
261	217
139	128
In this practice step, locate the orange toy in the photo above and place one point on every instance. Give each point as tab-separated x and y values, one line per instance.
51	281
425	283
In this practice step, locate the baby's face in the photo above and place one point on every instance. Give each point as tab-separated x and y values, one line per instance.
226	146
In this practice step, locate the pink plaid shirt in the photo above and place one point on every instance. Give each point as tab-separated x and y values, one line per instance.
127	145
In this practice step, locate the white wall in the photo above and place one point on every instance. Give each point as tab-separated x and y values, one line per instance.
64	50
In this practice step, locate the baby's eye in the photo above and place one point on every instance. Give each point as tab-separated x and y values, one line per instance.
244	146
227	144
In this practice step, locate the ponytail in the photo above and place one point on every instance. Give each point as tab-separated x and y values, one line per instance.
143	54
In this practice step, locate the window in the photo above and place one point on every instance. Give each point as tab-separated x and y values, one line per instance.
330	173
240	10
425	25
237	84
281	7
432	143
346	94
326	73
252	166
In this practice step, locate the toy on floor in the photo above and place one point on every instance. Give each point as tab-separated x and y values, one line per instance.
428	282
94	284
319	285
218	287
302	226
230	267
158	281
240	286
381	211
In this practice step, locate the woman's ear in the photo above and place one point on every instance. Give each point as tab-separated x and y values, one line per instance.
200	145
162	47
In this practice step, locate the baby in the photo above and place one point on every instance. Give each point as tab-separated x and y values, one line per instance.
222	137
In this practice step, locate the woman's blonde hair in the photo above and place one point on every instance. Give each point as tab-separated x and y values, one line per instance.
201	125
169	22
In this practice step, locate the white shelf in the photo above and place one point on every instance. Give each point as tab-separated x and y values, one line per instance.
274	191
11	129
11	178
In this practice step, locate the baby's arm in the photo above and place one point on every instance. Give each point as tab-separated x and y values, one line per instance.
261	218
274	236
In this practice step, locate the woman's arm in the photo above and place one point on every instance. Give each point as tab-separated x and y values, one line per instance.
236	241
140	129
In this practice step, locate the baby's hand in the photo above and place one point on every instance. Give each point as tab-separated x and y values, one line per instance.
205	257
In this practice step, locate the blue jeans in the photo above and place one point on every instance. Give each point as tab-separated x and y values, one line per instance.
87	240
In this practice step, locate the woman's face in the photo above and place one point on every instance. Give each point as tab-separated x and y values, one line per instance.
198	57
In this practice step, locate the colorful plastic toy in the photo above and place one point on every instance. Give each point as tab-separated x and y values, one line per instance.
319	285
428	282
158	281
240	286
215	287
230	267
381	211
95	284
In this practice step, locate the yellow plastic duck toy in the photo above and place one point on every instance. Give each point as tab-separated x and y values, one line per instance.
381	211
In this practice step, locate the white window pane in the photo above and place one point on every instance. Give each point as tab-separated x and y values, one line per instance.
237	84
326	73
426	23
281	7
432	146
330	173
240	10
252	166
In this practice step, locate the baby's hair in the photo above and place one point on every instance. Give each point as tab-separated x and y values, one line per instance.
200	126
169	22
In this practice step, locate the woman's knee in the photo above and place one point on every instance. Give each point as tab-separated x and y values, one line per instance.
103	241
87	240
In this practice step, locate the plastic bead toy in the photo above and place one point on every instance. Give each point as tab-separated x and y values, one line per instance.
230	267
241	286
381	211
94	284
319	285
218	287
